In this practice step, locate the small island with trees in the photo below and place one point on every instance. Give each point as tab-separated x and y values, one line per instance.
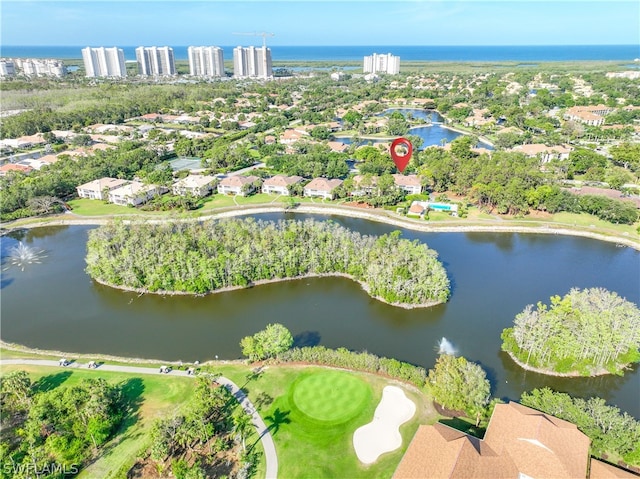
585	333
199	258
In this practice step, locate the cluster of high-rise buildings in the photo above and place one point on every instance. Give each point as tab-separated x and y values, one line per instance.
204	61
252	62
31	67
381	63
104	62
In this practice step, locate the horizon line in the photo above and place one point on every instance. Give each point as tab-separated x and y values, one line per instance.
363	45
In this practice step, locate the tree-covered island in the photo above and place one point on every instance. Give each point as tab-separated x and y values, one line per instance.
587	332
200	258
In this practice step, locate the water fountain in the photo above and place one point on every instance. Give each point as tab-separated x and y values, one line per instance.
445	347
23	255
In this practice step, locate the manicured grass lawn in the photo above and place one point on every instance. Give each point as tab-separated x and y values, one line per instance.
151	397
329	397
309	447
85	207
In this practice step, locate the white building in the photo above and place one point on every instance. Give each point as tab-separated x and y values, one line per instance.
7	68
206	61
104	62
194	185
96	189
379	63
32	67
134	193
155	61
252	62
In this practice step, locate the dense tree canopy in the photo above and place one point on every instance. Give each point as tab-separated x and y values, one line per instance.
63	426
205	257
460	385
268	343
587	331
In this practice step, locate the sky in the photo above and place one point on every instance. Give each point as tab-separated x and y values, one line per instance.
306	22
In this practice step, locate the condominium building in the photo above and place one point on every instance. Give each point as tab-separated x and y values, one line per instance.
379	63
104	62
155	61
206	61
7	67
252	62
32	67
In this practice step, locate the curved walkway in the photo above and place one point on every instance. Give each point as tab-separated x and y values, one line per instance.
261	428
380	216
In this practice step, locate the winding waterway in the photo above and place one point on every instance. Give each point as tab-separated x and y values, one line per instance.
55	305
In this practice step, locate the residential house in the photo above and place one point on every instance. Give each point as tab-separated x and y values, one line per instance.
134	193
279	184
94	190
322	187
519	442
237	185
291	136
608	192
409	183
194	185
417	208
589	115
4	169
544	152
364	185
337	146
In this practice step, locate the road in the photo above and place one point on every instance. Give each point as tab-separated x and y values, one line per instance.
261	428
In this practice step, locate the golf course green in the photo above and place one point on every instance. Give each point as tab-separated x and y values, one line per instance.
330	397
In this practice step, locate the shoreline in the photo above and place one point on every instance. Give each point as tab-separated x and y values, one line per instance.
267	281
380	216
574	374
20	348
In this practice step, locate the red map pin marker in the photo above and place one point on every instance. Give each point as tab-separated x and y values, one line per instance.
401	161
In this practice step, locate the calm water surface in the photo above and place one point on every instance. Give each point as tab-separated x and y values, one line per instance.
55	305
432	135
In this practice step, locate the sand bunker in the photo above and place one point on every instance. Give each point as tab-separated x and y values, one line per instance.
383	433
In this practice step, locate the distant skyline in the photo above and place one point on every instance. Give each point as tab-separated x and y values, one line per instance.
301	22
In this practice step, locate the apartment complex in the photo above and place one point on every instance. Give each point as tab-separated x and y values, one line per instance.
104	62
252	62
32	67
379	63
206	61
155	61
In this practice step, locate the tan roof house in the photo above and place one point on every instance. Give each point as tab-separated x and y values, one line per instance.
94	189
279	184
546	153
417	208
291	136
520	442
589	115
134	193
364	185
322	187
602	470
337	146
409	183
194	185
237	185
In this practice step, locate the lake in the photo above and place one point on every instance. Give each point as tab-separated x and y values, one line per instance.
55	305
432	135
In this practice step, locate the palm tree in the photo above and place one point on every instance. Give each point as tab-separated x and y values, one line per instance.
241	425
